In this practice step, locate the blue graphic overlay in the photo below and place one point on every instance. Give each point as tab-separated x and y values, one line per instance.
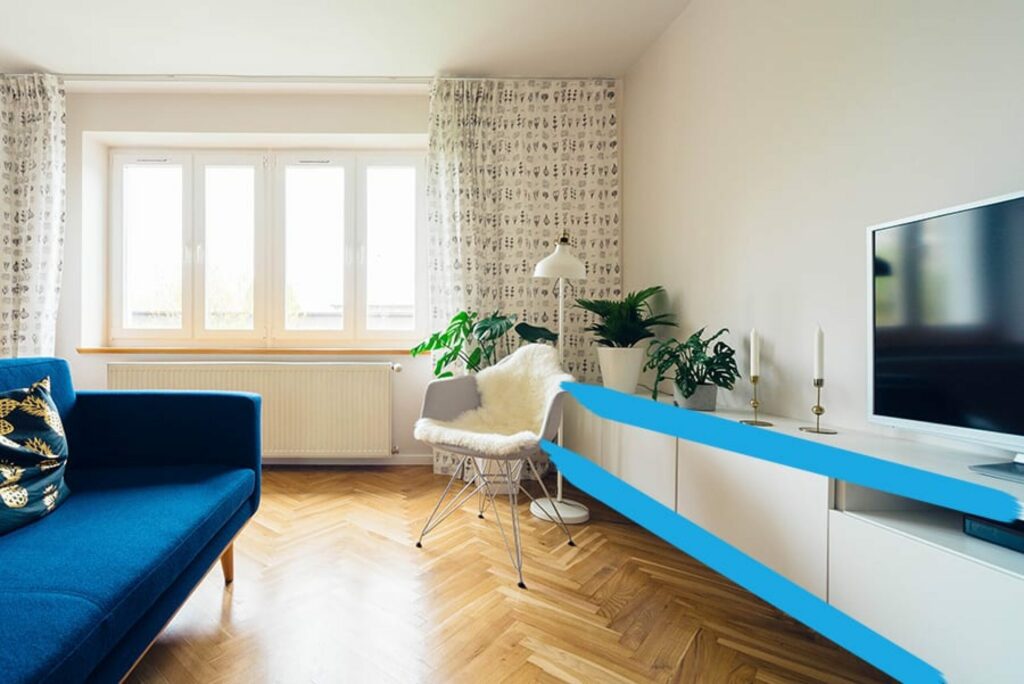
738	567
815	457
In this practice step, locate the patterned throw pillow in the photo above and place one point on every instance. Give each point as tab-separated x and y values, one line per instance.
33	453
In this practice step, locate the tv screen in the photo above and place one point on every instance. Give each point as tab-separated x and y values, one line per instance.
948	332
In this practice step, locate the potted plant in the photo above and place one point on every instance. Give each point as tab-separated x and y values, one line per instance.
620	325
696	372
477	342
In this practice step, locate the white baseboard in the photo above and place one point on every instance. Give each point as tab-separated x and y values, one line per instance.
397	459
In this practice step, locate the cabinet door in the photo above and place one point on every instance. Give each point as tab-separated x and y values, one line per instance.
643	459
776	514
961	616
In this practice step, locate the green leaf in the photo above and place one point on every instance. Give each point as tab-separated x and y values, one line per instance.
493	327
535	333
451	341
475	357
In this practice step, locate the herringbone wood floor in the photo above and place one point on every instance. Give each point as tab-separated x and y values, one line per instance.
329	588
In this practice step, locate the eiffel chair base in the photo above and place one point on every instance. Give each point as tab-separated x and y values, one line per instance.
486	486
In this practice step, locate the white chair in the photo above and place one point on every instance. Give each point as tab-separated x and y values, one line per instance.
495	421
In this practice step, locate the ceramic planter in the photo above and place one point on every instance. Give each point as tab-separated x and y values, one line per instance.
705	398
620	367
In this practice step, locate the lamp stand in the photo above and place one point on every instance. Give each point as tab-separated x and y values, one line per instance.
571	512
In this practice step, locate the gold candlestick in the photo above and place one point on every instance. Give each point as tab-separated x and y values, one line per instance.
817	410
755	404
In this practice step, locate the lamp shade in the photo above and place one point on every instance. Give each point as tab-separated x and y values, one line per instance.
561	264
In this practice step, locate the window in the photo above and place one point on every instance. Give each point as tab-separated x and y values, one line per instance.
311	248
153	226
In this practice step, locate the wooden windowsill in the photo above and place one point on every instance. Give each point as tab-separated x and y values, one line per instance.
248	351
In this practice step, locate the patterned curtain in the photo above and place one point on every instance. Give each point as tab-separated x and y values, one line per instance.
32	158
511	165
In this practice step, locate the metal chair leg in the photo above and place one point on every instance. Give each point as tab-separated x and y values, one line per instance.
435	519
483	484
515	555
482	502
513	504
543	487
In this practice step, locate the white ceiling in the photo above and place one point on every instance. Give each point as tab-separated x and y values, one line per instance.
337	38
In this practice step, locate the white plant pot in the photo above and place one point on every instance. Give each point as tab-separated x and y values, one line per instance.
620	367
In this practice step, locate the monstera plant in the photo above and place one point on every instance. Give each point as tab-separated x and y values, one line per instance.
697	367
477	342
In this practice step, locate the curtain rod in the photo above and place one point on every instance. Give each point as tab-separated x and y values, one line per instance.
340	80
237	78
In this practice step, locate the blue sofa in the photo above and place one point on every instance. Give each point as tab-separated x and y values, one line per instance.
161	482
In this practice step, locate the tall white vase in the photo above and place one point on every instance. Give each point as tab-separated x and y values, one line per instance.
620	367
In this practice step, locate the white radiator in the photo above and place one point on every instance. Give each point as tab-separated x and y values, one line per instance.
310	410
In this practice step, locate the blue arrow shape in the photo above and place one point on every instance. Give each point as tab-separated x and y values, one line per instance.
741	568
841	464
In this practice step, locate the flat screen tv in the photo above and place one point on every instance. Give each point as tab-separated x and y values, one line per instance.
946	315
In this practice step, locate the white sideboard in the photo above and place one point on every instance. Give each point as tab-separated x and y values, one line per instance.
903	568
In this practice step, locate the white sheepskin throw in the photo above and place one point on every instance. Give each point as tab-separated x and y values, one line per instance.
514	398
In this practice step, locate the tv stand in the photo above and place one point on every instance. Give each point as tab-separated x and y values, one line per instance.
907	570
904	568
1010	470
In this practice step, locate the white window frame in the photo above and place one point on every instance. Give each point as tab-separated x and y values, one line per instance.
418	162
119	160
202	160
279	334
268	313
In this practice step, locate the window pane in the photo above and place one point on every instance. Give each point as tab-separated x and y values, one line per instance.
230	225
391	248
314	248
152	227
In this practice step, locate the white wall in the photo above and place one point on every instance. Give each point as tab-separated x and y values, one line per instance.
761	138
89	115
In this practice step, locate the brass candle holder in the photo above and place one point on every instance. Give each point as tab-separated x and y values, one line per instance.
817	410
755	404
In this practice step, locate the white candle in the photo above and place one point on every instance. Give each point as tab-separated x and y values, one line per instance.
755	353
819	354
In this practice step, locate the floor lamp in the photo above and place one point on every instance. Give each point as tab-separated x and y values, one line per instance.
560	264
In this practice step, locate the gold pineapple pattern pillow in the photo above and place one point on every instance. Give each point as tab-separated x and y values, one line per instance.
33	453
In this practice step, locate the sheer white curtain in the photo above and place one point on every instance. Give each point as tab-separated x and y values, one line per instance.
511	165
32	189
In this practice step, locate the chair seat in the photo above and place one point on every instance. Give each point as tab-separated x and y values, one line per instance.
483	440
73	584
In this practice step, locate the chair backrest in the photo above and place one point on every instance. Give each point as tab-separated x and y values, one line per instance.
17	373
530	376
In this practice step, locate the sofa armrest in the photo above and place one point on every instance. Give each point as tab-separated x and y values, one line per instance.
446	399
140	428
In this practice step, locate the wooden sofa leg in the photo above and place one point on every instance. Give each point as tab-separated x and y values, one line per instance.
227	563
